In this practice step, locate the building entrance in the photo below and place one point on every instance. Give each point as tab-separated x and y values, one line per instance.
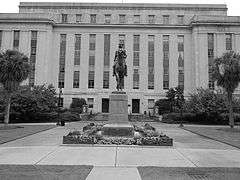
105	105
135	105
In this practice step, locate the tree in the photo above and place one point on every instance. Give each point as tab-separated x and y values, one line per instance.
14	69
29	102
77	104
226	71
170	94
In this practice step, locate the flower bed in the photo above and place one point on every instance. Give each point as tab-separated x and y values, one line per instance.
144	135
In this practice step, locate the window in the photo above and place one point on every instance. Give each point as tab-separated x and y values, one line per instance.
165	19
106	79
0	39
91	79
64	18
93	18
136	19
122	39
151	103
210	59
150	61
16	37
122	18
78	18
181	61
107	50
76	79
151	19
62	57
92	41
228	42
136	49
135	79
77	49
90	102
180	19
165	61
91	60
107	18
33	57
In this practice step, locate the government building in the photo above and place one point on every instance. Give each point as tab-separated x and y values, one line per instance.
72	46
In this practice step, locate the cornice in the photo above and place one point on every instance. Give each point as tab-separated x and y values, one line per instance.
87	25
38	21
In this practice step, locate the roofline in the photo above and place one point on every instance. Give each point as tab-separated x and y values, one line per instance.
45	5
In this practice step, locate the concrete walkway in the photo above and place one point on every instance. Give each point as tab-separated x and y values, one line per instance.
119	162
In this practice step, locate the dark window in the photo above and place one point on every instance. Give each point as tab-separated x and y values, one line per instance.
92	41
135	79
64	18
151	19
150	61
76	79
90	102
91	79
93	18
77	49
165	61
210	59
60	102
228	41
166	19
62	60
33	57
106	79
136	49
122	18
107	50
107	18
180	19
78	18
16	37
136	19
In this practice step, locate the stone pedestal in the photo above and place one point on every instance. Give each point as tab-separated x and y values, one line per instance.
118	107
118	124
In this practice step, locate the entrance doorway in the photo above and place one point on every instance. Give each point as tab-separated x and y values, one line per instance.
105	105
135	105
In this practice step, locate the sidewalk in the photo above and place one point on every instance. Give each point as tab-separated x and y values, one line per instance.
122	162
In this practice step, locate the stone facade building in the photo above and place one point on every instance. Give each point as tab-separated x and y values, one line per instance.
72	46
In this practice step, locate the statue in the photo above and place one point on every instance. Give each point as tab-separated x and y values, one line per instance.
120	67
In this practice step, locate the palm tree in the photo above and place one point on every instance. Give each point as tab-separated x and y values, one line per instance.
226	71
14	69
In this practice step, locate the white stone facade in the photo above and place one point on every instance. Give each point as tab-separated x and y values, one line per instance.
193	22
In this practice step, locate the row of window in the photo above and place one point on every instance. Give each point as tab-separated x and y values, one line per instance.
228	45
151	19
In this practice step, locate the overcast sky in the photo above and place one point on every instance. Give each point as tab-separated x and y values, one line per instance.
11	6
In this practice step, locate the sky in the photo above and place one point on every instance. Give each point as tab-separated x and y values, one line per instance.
11	6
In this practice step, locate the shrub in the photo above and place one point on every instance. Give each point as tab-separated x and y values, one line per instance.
69	116
77	105
205	101
163	106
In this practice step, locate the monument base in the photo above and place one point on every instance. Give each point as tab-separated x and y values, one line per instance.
118	129
118	107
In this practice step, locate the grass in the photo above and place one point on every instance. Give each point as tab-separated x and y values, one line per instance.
222	134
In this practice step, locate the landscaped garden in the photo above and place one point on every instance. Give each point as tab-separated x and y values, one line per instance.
141	135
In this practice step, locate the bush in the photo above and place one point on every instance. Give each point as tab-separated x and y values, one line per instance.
164	106
77	105
205	101
69	116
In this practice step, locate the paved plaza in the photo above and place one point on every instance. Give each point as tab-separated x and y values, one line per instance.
190	153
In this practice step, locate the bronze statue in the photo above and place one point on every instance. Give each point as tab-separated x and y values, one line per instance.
120	67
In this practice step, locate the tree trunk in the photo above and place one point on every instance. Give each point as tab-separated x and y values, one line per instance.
230	108
7	109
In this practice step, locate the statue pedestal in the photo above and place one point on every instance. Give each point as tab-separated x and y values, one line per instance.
118	124
118	107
